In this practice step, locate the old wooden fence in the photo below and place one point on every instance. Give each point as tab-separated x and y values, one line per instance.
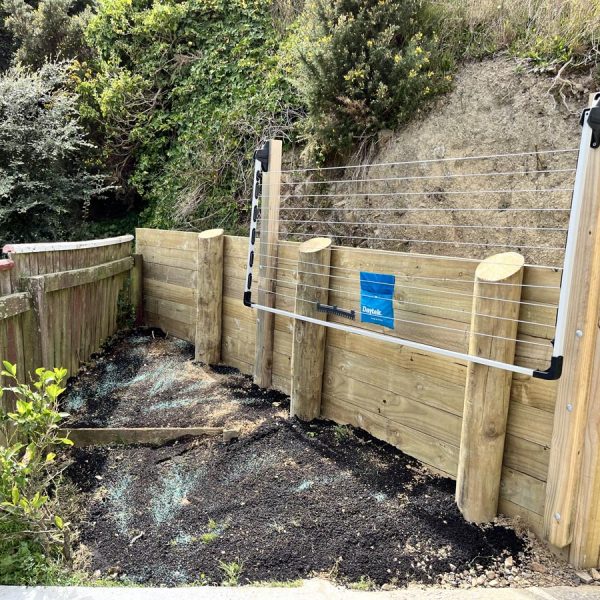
59	302
412	399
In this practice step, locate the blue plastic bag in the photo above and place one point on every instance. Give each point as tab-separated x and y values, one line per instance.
377	298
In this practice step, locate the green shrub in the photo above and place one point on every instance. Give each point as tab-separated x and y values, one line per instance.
184	92
50	30
47	175
32	530
365	65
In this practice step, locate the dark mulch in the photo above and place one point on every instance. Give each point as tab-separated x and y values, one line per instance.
287	499
144	379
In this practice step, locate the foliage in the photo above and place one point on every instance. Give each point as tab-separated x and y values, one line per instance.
231	571
342	433
32	530
184	93
46	176
50	30
365	65
547	32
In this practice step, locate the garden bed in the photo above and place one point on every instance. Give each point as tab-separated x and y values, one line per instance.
285	501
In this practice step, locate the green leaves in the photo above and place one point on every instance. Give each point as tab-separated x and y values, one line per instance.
45	178
30	464
183	84
10	369
363	66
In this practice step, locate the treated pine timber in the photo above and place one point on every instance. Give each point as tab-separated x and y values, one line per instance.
137	282
103	436
575	440
487	391
209	296
267	275
585	547
308	346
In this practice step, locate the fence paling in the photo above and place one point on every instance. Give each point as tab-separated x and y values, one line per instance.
67	302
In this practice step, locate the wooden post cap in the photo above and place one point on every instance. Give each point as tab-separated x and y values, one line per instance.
314	245
211	233
500	266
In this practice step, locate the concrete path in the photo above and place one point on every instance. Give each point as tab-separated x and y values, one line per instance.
311	590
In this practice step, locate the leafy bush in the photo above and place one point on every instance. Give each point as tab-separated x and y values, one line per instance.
47	177
52	30
185	91
32	530
365	65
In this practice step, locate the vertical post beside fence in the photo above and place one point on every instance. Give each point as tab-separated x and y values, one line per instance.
308	346
572	510
37	289
209	296
267	264
494	321
137	283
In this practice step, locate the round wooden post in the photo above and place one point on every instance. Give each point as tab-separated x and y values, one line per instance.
209	296
496	297
308	346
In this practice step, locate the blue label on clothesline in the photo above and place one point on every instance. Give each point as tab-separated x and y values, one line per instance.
377	298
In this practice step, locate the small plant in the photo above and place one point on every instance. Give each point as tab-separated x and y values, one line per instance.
214	531
33	533
209	537
231	571
342	433
364	584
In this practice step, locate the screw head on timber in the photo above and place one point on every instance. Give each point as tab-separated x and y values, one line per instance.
557	516
570	407
579	333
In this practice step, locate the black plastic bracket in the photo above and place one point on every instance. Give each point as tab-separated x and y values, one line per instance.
593	119
248	299
336	310
553	372
262	154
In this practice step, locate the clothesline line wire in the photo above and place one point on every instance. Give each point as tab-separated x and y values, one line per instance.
397	319
407	241
288	197
355	296
409	209
431	160
426	177
420	277
425	289
427	225
293	244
